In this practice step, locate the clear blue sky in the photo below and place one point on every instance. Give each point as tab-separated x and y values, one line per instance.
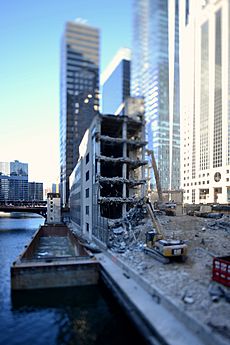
30	34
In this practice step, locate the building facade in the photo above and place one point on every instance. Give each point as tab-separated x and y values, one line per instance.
155	76
79	94
109	178
13	181
35	191
53	208
116	83
205	101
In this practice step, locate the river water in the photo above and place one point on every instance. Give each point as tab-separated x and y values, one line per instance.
73	316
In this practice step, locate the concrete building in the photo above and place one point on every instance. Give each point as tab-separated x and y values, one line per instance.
53	208
35	191
155	76
13	181
109	177
116	83
205	105
79	93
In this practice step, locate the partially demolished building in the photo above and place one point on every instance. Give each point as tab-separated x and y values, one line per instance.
109	178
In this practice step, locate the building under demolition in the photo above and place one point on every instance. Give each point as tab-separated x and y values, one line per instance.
109	178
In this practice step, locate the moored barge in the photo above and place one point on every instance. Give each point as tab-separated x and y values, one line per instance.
54	258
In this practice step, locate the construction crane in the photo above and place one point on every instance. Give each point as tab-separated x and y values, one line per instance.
156	174
162	249
169	208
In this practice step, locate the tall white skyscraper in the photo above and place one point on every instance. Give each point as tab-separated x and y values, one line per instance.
205	100
155	76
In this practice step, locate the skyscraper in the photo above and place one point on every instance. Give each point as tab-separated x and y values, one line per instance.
35	191
13	181
79	93
116	83
205	101
155	76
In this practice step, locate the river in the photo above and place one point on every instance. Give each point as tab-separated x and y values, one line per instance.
79	316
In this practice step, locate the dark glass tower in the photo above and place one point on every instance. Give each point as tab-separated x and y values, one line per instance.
79	94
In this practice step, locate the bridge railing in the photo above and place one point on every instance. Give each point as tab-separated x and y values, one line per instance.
23	203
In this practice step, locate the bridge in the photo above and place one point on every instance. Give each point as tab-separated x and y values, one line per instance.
38	207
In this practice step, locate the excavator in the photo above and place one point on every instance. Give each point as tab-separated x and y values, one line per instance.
164	250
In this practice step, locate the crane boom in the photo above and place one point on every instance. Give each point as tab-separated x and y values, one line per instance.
156	174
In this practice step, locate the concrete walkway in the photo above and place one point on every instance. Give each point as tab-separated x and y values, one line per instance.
159	320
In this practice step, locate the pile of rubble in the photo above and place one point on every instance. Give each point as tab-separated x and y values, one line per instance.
222	223
125	232
189	285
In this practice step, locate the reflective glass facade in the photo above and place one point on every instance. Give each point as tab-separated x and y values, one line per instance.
79	94
155	75
13	181
35	191
116	89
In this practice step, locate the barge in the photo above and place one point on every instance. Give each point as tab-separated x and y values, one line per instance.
54	258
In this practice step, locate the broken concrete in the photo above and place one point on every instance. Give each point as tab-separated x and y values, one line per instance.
188	284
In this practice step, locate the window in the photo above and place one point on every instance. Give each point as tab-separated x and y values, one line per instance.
87	227
204	193
87	175
87	192
217	177
87	209
87	158
193	196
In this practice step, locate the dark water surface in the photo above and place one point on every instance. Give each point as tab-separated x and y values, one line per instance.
81	316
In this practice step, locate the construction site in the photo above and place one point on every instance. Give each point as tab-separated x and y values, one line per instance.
182	268
179	253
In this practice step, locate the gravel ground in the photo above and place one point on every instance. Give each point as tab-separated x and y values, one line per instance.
188	284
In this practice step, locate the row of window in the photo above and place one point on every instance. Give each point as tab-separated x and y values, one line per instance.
87	190
203	182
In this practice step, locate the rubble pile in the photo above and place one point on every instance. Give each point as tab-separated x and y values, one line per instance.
125	232
222	223
189	285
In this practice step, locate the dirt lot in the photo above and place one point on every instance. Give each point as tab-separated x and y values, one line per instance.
188	284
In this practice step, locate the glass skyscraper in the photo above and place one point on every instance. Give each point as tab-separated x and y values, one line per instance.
79	94
13	181
35	191
155	76
116	83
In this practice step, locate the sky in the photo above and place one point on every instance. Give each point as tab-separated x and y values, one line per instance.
30	36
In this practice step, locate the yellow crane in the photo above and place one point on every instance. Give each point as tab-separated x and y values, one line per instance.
156	245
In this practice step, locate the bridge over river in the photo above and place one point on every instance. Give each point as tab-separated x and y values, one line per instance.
25	206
